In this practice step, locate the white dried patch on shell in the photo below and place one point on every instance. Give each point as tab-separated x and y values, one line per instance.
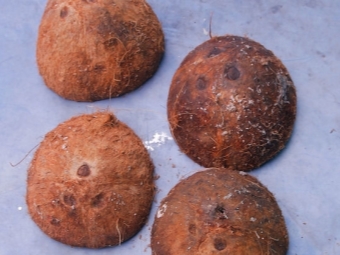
228	196
231	107
161	211
283	84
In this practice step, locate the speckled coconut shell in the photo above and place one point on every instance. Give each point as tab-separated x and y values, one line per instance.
90	183
231	104
91	50
222	212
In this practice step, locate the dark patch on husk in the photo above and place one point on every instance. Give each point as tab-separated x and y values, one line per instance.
64	12
220	244
84	171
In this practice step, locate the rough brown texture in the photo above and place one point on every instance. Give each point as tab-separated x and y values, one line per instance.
90	50
90	183
232	104
219	211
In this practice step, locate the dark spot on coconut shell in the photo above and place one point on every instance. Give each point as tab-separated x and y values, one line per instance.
110	43
236	231
192	229
98	200
63	12
84	171
73	213
219	209
55	222
69	200
220	244
201	84
220	212
98	68
215	51
231	73
108	26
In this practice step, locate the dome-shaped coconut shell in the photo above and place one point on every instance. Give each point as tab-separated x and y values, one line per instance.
222	212
90	183
231	104
91	50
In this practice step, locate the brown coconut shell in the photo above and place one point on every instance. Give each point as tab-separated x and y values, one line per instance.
90	50
219	211
90	183
231	104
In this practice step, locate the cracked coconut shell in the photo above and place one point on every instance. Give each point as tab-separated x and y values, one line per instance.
90	50
222	212
90	183
231	104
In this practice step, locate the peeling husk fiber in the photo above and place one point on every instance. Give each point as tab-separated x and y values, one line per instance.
90	183
222	212
90	50
231	103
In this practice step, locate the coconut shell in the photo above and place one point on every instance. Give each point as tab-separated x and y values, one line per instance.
231	104
219	211
90	50
90	183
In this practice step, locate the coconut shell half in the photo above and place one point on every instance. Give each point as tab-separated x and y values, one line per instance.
222	212
231	103
90	50
90	183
